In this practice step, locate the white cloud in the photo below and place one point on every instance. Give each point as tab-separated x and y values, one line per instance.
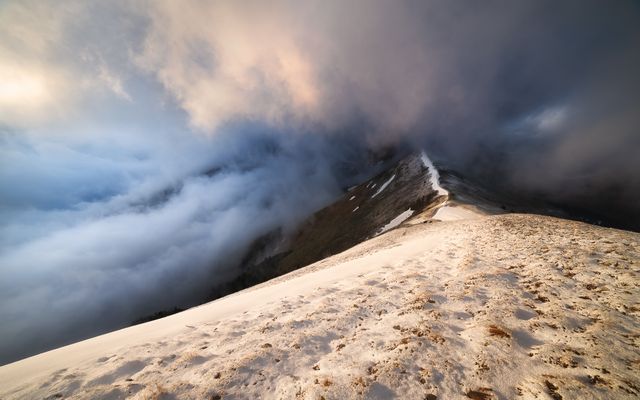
33	89
103	77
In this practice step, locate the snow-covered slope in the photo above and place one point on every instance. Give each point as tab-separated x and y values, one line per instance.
509	306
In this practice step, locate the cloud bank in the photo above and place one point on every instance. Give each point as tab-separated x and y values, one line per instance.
533	96
111	113
77	267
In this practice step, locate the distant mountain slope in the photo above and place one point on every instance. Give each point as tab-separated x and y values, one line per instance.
411	191
366	210
491	307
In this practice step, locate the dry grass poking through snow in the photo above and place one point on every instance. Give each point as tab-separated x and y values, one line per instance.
499	307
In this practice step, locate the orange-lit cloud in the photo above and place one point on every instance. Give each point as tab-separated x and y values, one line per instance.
224	61
289	62
22	89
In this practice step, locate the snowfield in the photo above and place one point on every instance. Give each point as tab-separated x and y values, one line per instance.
396	221
510	306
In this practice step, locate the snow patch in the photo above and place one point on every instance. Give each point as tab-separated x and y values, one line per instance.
396	221
352	197
355	209
384	186
434	175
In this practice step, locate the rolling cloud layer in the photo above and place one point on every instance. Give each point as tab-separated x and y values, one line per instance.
110	115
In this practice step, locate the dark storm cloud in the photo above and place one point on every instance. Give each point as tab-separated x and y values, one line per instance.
107	216
552	107
533	96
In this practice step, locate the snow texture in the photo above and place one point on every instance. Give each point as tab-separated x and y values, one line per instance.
434	175
505	307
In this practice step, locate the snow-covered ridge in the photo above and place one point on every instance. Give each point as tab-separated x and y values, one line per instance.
496	307
434	175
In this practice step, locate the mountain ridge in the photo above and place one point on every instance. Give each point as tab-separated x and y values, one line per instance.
497	306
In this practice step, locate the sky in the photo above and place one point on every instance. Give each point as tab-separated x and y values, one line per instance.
144	145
